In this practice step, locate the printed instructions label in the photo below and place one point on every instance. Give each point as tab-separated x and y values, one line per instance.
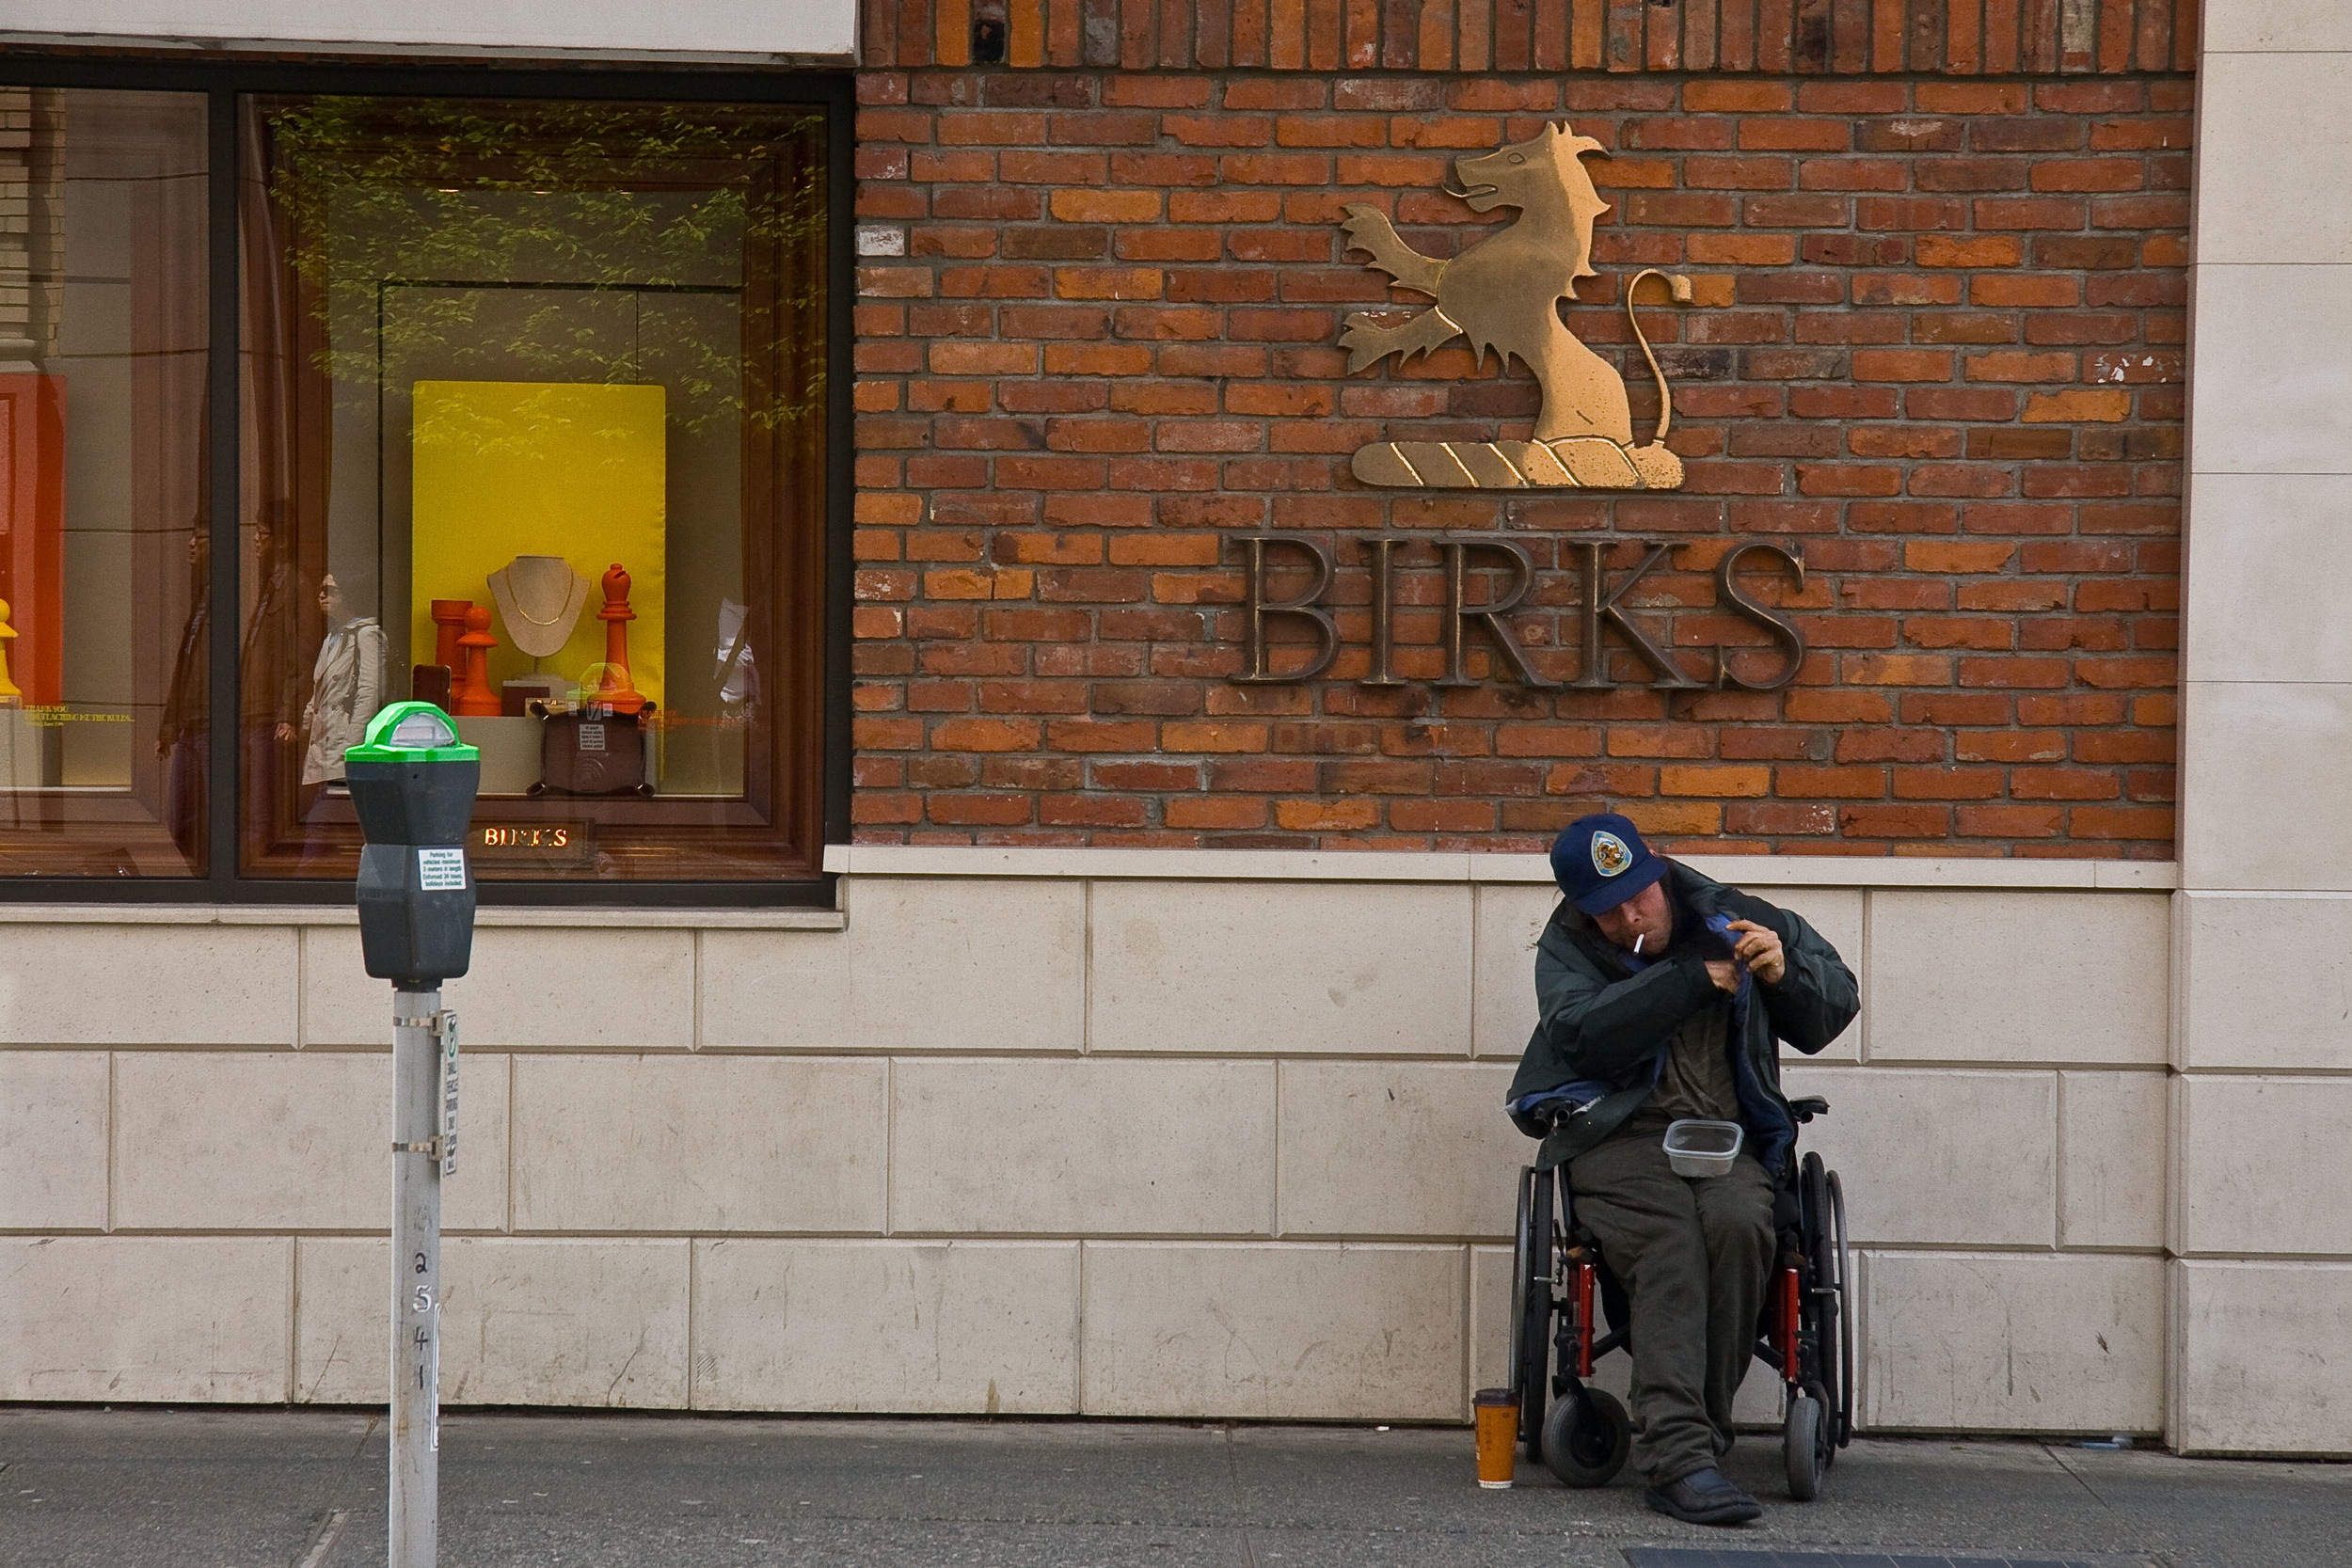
442	870
449	1091
592	737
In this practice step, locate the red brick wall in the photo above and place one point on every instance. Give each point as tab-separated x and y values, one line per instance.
1839	37
1937	346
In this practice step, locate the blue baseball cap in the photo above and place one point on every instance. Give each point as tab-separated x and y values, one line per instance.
1600	861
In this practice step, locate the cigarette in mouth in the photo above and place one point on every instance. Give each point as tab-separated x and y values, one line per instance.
1637	943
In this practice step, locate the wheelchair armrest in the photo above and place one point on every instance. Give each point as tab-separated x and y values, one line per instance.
1810	1107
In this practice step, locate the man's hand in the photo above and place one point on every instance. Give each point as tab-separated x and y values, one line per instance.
1724	973
1758	950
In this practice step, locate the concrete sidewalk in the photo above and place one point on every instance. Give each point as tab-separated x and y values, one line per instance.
305	1489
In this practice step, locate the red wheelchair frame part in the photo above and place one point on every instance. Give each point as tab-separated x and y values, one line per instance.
1790	1371
1584	1276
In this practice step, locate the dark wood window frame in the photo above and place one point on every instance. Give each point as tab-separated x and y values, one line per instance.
821	730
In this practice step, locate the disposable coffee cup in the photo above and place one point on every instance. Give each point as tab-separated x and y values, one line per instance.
1497	1411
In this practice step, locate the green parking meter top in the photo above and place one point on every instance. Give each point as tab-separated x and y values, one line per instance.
412	732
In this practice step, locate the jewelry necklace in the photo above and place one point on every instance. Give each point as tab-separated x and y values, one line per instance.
569	589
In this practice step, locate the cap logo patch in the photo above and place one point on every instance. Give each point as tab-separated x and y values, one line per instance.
1610	855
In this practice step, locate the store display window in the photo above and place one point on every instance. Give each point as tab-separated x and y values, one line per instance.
534	424
322	388
104	527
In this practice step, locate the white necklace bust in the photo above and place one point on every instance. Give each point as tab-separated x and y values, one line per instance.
539	598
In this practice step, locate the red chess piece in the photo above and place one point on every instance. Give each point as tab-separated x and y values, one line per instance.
449	623
614	688
472	698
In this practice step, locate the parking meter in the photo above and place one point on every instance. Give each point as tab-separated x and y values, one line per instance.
413	783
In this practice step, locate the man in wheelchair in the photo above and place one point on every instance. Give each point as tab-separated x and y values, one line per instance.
1661	995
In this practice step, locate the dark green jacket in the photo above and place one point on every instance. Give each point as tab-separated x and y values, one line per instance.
1603	1022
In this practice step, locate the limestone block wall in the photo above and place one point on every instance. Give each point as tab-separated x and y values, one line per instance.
1126	1132
2263	1048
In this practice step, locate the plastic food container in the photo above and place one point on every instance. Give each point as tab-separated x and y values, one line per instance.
1696	1147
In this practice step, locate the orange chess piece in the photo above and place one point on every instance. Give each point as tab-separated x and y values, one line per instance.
472	697
615	689
10	696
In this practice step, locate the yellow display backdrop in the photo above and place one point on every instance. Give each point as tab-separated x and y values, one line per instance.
505	469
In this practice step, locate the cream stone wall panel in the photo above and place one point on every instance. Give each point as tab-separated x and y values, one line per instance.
1295	969
1836	915
1976	1342
203	985
2274	388
1508	920
2264	1166
125	1319
2041	977
2261	1365
52	1140
947	963
1490	1298
2274	124
1082	1147
1957	1158
2111	1159
926	1327
532	987
2266	981
1397	1149
286	1140
1276	1331
599	1323
474	1197
2268	561
2266	799
2264	27
669	1144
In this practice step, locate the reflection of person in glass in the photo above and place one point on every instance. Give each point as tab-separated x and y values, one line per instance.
272	685
347	686
181	741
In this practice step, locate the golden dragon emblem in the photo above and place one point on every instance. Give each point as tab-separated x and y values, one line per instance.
1503	295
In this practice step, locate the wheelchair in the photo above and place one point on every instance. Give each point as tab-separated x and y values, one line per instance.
1804	1332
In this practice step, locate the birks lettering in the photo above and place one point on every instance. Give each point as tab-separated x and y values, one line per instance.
1601	609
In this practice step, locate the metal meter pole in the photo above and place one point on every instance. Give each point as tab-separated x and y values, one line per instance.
417	1151
412	783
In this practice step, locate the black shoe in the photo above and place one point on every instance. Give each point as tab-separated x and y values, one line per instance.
1704	1497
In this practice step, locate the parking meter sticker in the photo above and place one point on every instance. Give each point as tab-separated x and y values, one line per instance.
592	737
442	870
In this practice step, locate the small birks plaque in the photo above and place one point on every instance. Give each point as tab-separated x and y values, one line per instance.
551	846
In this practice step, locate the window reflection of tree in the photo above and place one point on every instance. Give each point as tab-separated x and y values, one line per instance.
466	240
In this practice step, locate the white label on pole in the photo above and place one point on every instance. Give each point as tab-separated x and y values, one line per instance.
442	870
447	1021
592	737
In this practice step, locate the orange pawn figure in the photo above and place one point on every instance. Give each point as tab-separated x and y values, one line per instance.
615	689
472	697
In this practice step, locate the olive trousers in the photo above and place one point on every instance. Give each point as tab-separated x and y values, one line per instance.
1693	1255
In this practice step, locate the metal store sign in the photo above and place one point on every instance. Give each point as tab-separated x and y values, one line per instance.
1599	606
1503	295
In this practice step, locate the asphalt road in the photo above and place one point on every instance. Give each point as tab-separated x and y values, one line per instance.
147	1488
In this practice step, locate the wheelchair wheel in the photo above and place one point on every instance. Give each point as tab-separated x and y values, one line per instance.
1531	1307
1803	1447
1826	1373
1841	1430
1587	1435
